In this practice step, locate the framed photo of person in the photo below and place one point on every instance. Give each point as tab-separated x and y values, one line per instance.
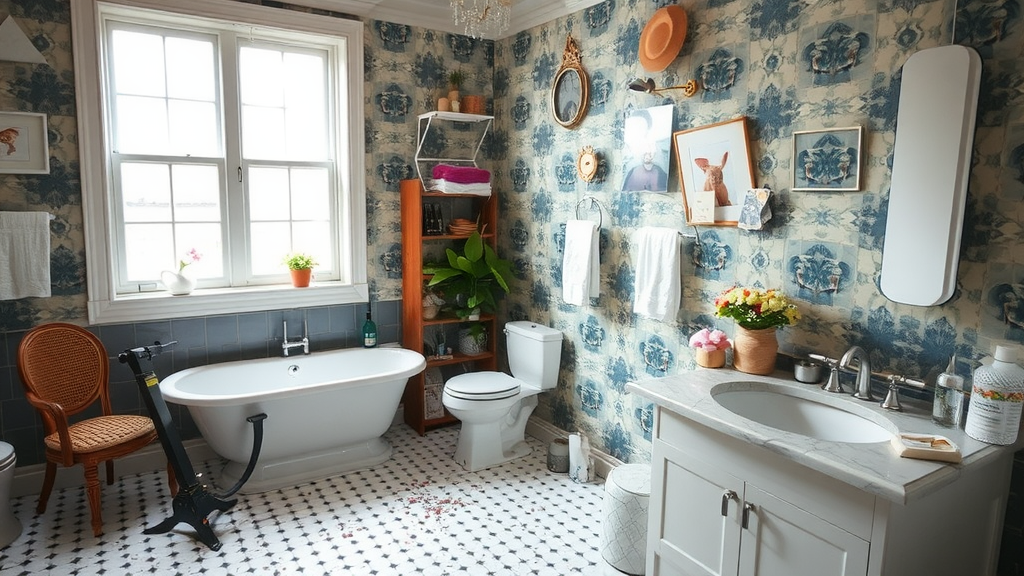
647	149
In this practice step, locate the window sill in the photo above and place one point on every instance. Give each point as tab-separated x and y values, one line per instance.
162	305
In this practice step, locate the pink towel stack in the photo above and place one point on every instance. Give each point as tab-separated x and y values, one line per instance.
461	174
460	180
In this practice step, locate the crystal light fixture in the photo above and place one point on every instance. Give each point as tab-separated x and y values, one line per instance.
482	17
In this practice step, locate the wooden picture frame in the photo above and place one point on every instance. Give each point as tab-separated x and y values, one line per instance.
570	92
24	143
715	171
827	160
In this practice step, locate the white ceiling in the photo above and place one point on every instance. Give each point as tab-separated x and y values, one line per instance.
437	14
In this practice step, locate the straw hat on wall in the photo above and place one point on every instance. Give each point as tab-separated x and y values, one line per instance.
662	38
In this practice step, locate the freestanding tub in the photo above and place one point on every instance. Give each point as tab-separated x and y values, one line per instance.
326	412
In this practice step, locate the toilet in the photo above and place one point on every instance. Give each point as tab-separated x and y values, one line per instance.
10	527
494	406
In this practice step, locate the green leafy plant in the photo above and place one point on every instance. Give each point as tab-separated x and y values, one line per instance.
299	261
472	279
456	78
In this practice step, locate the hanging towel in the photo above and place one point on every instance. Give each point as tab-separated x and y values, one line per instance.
581	276
24	255
656	293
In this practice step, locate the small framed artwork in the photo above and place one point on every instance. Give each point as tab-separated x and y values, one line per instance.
827	160
24	146
715	171
647	149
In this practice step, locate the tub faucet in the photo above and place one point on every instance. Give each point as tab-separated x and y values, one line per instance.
304	342
863	371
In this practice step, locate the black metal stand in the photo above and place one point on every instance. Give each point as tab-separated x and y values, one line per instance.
193	503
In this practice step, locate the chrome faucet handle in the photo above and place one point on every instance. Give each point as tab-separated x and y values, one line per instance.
833	385
892	398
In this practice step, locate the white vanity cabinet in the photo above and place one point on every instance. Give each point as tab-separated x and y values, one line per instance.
706	521
802	522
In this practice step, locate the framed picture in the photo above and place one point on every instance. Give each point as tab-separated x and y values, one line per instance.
647	149
827	160
24	147
715	171
570	92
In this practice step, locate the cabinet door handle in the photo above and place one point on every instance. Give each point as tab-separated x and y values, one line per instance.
726	496
747	509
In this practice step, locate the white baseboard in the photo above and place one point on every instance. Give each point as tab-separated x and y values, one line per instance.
28	480
546	432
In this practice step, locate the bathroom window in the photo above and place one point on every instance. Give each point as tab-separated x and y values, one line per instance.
223	128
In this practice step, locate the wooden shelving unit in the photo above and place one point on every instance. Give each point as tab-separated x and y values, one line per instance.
416	330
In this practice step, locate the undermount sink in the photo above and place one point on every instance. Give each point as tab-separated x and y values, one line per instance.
795	410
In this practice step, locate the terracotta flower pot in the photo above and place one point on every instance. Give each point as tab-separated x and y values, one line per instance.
754	350
300	278
712	359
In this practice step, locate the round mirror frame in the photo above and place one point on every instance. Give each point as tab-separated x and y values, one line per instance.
570	66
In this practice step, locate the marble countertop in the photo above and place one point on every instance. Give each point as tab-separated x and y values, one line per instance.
874	468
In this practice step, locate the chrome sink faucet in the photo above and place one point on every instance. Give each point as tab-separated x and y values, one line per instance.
286	346
863	371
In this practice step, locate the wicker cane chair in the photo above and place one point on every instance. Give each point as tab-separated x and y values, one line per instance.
65	369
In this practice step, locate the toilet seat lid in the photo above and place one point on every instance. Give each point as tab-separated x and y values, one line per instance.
6	454
482	386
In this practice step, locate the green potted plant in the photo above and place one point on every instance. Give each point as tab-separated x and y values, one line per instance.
471	280
301	267
473	339
455	80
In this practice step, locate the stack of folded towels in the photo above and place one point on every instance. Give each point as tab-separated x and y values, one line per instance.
461	180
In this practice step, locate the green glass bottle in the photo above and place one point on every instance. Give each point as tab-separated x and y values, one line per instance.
369	332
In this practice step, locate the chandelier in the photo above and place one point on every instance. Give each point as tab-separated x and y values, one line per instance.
482	17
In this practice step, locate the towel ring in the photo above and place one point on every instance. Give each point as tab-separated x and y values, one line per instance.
593	202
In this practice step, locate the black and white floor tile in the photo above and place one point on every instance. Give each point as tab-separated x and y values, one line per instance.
418	513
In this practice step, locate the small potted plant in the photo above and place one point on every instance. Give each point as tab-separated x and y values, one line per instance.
709	348
473	339
301	267
455	80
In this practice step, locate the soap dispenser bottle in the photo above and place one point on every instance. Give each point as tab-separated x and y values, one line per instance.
997	397
949	397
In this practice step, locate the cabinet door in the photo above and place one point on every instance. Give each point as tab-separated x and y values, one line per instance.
696	529
783	540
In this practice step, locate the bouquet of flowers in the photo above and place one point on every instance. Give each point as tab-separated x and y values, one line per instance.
710	340
755	309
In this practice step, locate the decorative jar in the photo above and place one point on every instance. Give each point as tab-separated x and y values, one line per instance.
709	359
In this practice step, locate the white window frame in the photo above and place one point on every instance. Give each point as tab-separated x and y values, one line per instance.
105	305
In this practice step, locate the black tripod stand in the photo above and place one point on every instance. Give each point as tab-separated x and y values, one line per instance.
193	503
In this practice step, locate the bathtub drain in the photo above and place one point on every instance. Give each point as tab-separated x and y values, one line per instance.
293	369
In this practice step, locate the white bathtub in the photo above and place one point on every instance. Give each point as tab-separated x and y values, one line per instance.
326	412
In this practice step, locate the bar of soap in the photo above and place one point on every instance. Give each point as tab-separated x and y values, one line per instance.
926	447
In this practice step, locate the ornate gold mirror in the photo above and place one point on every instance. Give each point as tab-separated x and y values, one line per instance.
570	92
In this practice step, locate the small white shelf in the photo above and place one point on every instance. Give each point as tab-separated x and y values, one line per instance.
460	149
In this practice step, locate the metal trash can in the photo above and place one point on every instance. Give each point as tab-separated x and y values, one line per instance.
627	491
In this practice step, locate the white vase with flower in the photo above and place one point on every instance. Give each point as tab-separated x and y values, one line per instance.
177	283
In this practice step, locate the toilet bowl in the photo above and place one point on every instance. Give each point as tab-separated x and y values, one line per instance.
10	526
495	407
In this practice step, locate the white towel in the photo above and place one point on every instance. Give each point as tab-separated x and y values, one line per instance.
657	288
24	255
581	267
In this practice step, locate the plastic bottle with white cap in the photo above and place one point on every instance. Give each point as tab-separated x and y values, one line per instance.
997	398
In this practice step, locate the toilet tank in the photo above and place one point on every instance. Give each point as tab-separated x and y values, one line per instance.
529	342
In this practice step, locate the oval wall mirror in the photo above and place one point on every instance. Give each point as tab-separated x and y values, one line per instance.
931	164
570	91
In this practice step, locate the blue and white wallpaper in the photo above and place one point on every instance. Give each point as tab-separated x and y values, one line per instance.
787	65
